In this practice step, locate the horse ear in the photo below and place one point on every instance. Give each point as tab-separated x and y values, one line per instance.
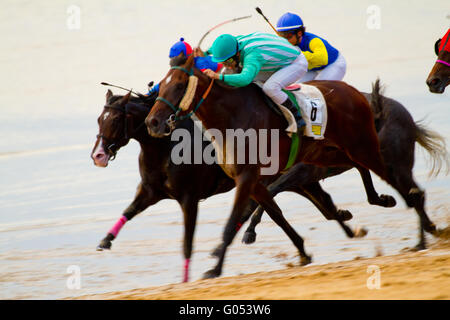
436	46
189	63
125	98
109	94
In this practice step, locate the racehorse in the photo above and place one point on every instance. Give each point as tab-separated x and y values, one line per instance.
122	119
119	109
350	139
398	134
439	77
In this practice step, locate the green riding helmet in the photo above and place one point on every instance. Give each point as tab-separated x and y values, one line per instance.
224	47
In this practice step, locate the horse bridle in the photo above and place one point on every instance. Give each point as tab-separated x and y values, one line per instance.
113	147
175	116
436	48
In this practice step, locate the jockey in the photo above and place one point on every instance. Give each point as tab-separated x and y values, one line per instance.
324	61
262	57
178	55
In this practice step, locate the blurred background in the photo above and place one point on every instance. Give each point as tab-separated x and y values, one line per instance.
55	205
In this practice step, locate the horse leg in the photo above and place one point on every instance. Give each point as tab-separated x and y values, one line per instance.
263	197
415	198
244	185
190	209
299	174
247	214
372	196
144	198
250	234
322	200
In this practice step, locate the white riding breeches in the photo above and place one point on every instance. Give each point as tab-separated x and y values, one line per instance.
335	71
274	82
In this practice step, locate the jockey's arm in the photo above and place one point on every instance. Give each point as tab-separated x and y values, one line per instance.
319	55
206	62
252	65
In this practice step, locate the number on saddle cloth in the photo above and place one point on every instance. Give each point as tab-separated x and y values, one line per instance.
313	109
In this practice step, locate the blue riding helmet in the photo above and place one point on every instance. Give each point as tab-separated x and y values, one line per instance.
289	21
179	47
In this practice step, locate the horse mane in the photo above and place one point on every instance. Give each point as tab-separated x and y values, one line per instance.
148	100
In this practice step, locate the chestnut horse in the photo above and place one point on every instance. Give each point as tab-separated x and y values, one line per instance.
350	139
398	134
123	118
439	77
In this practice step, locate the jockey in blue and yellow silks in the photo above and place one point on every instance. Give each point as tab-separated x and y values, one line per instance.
324	61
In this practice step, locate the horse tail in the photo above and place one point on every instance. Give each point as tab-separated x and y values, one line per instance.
376	100
435	145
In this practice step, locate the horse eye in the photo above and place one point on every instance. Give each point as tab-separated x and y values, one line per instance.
179	86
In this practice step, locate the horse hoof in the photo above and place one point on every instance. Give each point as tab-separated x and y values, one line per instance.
431	228
361	232
344	215
418	247
217	251
305	260
388	201
249	237
213	273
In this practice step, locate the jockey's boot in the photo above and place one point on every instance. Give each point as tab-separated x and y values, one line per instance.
301	125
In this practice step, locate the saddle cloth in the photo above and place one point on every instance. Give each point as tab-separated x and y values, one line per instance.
313	109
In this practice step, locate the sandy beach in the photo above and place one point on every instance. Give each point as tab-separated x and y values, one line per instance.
410	275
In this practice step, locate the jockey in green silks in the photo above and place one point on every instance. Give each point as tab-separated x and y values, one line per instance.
262	57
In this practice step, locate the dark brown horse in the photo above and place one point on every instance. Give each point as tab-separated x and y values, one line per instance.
398	134
122	119
439	77
350	139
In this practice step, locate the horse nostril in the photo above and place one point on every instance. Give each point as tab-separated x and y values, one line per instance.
433	82
99	156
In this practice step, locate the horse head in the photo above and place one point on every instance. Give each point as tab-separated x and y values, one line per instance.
119	121
176	94
439	77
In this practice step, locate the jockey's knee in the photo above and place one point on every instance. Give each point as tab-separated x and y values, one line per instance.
271	87
273	90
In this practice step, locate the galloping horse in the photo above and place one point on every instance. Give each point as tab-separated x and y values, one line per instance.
439	77
398	133
350	139
123	118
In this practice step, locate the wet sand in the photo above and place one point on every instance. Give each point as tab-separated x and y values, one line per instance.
409	275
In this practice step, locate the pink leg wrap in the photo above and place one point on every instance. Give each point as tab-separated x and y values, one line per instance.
186	270
119	224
